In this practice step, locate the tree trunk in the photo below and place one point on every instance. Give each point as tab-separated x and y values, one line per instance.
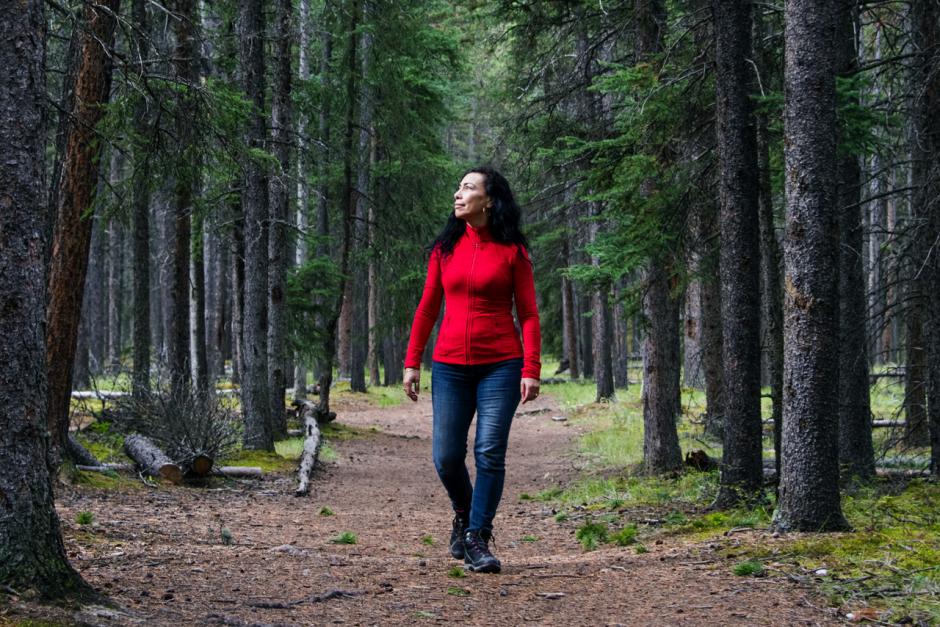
185	184
373	318
661	452
621	356
349	203
256	405
569	314
303	184
279	200
344	333
140	215
601	325
809	479
923	106
360	331
856	453
601	334
32	555
115	273
710	295
692	371
925	26
238	296
770	270
742	473
585	343
72	233
570	327
197	304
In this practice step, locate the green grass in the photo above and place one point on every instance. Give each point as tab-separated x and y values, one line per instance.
427	539
530	538
84	518
625	536
457	572
591	535
326	511
749	568
458	592
346	537
891	562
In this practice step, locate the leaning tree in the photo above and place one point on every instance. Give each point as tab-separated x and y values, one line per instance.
32	555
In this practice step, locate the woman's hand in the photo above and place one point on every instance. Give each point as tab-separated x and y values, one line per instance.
528	389
412	381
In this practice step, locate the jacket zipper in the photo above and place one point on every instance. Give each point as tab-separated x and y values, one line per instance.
473	262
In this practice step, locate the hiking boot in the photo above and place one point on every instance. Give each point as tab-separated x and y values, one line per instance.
477	556
456	535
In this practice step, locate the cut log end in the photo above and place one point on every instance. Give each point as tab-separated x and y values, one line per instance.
201	465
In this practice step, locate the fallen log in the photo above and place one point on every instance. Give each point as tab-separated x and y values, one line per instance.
151	459
304	407
244	472
78	453
235	472
887	423
200	466
106	468
308	459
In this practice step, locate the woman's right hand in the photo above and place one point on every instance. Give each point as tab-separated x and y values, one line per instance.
412	381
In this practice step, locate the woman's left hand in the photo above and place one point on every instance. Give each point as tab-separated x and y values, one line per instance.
529	390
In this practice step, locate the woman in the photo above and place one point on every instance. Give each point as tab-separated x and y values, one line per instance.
480	264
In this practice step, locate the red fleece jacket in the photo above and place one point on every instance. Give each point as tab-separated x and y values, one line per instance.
479	281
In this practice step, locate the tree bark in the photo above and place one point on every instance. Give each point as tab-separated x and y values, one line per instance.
279	200
570	328
809	481
770	270
710	295
925	26
197	304
359	339
923	106
72	233
856	452
238	296
742	464
661	452
303	185
692	371
256	405
115	272
621	348
661	362
32	555
140	215
186	181
328	350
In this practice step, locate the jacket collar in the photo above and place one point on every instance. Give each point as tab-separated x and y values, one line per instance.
481	234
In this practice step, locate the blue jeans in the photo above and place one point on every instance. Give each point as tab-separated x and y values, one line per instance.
457	392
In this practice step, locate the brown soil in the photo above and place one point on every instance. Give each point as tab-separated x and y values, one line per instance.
158	554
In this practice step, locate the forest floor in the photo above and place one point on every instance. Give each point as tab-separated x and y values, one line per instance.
159	554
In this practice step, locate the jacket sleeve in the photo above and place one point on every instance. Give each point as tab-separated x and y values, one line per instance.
426	315
528	312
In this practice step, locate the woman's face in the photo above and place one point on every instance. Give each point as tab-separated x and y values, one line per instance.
471	201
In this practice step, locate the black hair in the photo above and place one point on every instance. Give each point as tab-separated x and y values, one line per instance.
503	216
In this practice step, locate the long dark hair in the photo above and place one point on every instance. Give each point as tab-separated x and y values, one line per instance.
504	215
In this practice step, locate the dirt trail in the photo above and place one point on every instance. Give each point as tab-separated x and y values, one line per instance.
158	553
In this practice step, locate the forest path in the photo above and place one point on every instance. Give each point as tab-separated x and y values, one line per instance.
158	554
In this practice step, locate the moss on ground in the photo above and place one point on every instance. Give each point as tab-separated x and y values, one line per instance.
888	567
